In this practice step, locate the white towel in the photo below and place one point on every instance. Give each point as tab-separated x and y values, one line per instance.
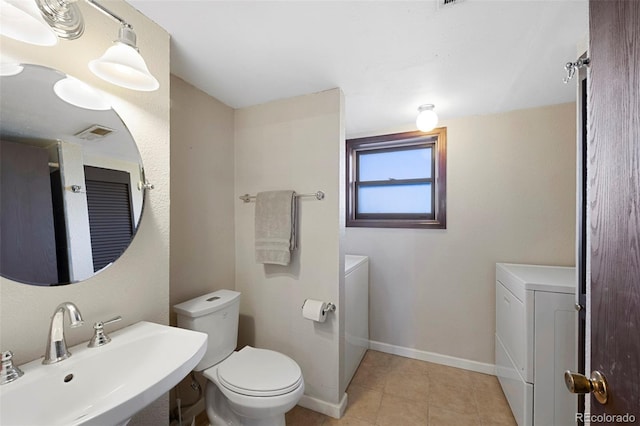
275	226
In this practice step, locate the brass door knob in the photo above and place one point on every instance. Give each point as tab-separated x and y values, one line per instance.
579	383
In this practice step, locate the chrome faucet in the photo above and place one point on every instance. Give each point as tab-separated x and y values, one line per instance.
56	346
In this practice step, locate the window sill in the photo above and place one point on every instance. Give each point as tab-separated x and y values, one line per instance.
390	223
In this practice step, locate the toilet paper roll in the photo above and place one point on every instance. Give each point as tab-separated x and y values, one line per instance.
314	310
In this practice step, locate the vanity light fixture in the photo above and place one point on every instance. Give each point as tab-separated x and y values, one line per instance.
80	94
427	118
42	22
23	21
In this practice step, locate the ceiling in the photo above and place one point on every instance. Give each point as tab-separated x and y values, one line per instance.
34	115
388	57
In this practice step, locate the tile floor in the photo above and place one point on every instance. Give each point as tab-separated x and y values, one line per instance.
389	390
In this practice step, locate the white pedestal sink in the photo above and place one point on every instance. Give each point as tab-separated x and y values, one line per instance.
106	385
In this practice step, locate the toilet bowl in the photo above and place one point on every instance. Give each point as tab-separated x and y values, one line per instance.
257	385
250	387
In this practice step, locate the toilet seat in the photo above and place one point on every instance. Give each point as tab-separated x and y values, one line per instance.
259	372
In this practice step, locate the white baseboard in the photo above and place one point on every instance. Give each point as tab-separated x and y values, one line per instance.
332	410
451	361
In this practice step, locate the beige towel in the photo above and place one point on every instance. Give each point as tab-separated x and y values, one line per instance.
275	226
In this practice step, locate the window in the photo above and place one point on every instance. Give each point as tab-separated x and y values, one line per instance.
397	180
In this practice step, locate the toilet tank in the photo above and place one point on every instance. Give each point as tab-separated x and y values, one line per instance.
217	315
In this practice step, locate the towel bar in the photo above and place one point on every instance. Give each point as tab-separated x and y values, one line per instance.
319	196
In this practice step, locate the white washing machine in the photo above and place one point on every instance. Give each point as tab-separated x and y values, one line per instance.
536	341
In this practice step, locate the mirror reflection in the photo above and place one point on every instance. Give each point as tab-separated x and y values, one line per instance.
71	178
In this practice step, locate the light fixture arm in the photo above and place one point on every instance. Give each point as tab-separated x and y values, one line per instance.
126	35
109	13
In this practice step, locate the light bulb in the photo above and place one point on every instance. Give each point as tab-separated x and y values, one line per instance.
427	118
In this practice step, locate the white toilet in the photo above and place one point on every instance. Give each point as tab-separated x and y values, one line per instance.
250	387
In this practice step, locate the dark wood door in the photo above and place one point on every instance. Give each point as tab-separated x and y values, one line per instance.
28	251
614	176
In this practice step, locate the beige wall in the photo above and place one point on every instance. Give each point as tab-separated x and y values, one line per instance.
510	198
137	285
202	194
202	199
294	144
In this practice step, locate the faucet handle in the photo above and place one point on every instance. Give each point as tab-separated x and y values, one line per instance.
107	322
100	338
9	372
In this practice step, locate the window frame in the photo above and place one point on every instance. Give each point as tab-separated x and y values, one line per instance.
437	139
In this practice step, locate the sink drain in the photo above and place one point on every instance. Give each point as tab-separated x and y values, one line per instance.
68	378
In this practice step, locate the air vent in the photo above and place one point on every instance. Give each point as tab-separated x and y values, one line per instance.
447	3
94	132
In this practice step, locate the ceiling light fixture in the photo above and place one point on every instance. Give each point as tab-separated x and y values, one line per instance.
427	119
22	20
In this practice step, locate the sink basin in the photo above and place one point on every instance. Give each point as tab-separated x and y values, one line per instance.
105	385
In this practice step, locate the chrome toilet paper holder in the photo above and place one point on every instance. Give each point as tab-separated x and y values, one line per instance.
330	307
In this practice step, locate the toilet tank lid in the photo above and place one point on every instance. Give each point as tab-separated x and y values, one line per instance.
207	303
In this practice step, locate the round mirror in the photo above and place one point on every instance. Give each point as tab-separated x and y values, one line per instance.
71	177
